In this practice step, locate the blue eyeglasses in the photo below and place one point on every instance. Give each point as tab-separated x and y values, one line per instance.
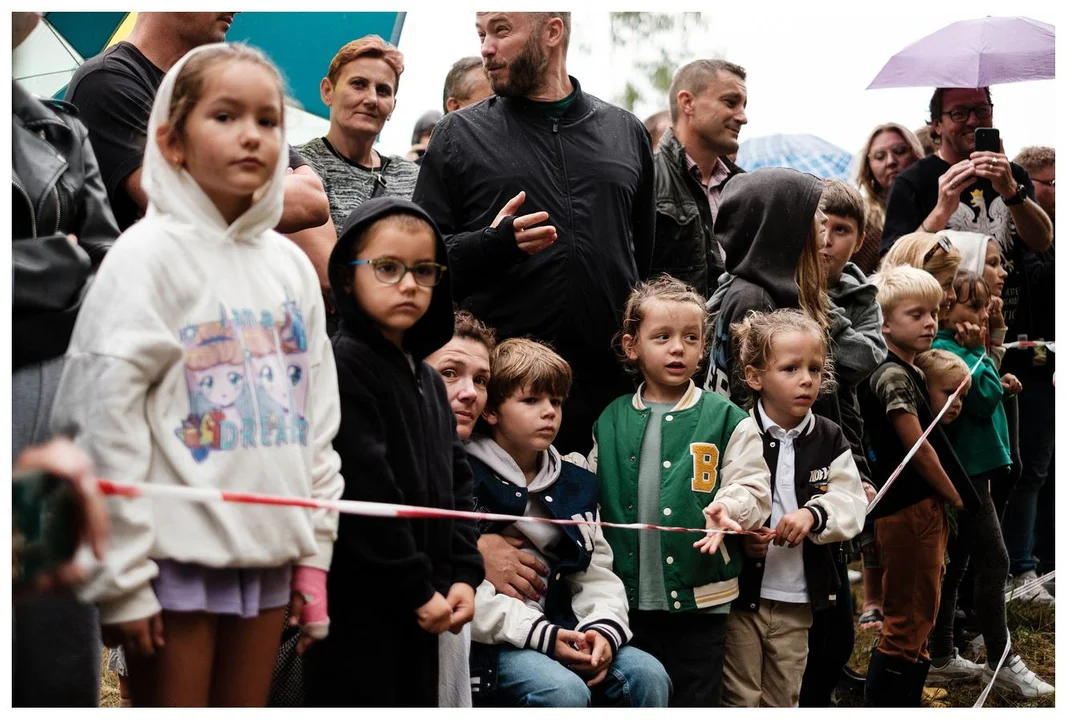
391	271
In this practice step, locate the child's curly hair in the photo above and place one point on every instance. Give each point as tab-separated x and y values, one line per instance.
663	288
753	338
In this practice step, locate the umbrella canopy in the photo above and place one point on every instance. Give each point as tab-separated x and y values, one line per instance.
974	54
806	153
300	44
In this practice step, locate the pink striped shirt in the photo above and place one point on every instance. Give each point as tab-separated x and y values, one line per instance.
720	173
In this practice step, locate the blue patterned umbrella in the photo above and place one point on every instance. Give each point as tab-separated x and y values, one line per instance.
806	153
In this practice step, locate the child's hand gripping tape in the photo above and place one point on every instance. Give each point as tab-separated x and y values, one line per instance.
311	584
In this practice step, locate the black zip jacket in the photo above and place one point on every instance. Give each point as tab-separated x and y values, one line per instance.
685	245
398	444
55	190
591	170
885	451
815	449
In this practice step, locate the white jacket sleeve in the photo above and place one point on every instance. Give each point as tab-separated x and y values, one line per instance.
325	419
598	597
502	619
591	459
121	347
100	402
842	508
745	487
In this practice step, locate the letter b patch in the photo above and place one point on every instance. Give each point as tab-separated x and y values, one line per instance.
705	462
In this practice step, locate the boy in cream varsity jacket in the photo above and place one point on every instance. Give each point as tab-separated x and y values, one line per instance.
569	648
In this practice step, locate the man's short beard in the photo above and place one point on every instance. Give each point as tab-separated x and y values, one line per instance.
526	72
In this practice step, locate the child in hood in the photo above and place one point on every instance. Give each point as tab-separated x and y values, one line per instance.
771	230
160	388
397	583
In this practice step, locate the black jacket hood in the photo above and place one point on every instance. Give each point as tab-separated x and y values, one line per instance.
764	217
432	330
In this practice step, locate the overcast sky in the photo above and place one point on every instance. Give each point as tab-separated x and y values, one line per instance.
808	62
807	71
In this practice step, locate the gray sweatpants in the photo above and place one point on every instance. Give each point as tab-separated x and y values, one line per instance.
55	639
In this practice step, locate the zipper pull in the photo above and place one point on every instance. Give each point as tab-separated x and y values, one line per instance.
556	125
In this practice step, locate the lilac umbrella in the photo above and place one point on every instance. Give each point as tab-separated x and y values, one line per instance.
974	54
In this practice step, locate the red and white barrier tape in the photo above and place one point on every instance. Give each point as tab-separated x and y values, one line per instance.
919	443
1050	345
360	507
374	509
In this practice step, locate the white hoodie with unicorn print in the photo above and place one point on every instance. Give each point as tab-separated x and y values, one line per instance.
200	358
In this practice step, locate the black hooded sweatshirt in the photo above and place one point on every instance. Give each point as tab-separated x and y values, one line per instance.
764	218
398	444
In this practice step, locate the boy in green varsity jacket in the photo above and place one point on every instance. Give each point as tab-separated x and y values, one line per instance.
661	456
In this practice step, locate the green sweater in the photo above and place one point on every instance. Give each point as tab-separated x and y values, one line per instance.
980	435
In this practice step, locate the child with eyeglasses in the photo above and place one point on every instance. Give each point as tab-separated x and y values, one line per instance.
396	584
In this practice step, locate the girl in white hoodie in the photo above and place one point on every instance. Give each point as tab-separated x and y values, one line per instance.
200	359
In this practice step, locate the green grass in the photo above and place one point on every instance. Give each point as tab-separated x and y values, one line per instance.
1031	629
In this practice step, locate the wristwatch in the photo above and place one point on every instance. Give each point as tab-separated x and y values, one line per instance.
1017	197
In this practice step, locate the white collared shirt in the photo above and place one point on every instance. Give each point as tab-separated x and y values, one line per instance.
784	566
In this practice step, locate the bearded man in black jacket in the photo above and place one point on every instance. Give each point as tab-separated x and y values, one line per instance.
545	197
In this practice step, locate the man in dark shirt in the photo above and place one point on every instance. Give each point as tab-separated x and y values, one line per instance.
959	188
545	196
114	92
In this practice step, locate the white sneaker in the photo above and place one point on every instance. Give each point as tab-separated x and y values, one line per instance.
956	669
1037	594
1016	678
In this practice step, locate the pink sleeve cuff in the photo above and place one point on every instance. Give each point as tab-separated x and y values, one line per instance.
311	584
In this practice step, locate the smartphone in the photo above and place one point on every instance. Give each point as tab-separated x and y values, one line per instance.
45	516
987	140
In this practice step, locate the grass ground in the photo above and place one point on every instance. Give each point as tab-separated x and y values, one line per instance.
109	684
1031	628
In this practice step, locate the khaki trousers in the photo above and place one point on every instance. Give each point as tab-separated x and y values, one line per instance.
766	654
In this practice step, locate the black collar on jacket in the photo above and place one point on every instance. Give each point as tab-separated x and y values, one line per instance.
34	112
671	146
581	106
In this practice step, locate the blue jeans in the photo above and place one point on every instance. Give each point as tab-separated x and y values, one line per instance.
1036	451
528	678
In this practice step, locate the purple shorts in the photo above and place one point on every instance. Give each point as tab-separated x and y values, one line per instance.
186	587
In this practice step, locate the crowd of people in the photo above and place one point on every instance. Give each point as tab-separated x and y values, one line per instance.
547	310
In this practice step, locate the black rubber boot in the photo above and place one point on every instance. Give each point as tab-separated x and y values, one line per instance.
892	682
918	673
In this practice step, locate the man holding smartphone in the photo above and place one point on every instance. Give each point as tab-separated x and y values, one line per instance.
964	186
